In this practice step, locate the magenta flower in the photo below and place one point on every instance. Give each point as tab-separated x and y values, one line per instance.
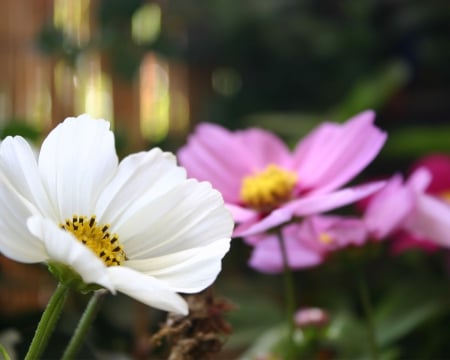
405	240
439	167
307	244
265	185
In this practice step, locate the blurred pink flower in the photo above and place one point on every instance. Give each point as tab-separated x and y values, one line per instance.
307	243
265	185
311	316
405	211
405	240
389	208
439	167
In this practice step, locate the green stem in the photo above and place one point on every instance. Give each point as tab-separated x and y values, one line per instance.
289	297
83	326
4	353
367	306
47	323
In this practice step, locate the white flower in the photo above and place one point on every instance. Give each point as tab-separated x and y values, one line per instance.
148	231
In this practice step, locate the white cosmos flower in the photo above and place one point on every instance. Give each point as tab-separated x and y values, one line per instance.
149	231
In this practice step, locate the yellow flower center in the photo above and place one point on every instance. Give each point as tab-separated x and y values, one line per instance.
97	237
325	238
268	189
445	195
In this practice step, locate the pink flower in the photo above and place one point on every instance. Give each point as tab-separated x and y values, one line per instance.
265	185
403	210
439	167
312	316
307	243
405	240
389	208
439	186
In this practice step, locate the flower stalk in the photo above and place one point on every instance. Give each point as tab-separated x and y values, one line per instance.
83	326
289	297
47	323
4	353
367	306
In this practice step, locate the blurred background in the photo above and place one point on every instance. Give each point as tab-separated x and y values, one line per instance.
156	68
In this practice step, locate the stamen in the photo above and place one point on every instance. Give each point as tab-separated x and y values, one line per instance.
326	238
445	195
97	237
268	189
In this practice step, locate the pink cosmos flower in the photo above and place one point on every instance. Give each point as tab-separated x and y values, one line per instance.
307	243
439	167
264	184
403	210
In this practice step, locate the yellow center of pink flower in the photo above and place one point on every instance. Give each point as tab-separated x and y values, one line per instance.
445	195
268	189
97	237
325	238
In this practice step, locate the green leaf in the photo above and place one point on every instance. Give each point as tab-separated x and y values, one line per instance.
405	309
415	141
373	91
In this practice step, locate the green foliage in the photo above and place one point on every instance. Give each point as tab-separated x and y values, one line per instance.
22	128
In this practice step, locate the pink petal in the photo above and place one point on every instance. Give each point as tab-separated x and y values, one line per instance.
404	241
342	231
439	167
303	244
213	154
265	147
334	153
241	214
419	180
310	205
431	219
272	220
266	256
389	208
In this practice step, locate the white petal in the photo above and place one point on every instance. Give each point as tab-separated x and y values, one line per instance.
63	247
147	290
76	160
187	271
191	215
19	166
16	242
140	178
